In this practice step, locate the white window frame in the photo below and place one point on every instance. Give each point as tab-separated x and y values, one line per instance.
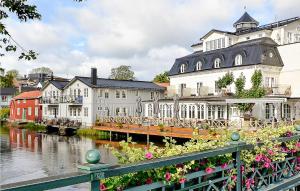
238	60
198	65
29	110
217	63
123	94
182	68
118	94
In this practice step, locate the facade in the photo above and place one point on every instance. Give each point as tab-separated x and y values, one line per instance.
84	99
26	107
273	49
6	95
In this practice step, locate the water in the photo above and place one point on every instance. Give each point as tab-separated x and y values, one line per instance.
28	155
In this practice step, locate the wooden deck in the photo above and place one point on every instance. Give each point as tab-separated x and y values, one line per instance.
175	132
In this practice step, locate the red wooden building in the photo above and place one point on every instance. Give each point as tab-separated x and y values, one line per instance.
26	107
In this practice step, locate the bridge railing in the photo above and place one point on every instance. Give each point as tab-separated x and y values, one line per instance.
282	176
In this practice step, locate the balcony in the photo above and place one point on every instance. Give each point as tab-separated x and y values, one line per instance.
62	99
279	90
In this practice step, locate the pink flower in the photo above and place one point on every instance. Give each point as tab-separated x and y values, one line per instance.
242	168
196	169
148	155
224	165
258	158
297	167
249	183
182	180
298	144
293	151
102	187
209	170
168	176
149	181
270	152
233	178
267	165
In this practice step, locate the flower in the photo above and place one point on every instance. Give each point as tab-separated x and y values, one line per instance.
249	183
267	165
270	152
182	180
209	170
102	187
298	144
149	181
196	169
224	165
258	158
148	155
233	178
168	176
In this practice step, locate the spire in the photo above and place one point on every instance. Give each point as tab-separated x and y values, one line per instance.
245	22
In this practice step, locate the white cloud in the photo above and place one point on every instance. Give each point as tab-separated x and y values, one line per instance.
147	35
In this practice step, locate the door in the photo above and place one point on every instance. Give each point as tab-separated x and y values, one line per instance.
24	114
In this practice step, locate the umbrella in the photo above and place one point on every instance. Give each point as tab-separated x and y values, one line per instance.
139	108
176	106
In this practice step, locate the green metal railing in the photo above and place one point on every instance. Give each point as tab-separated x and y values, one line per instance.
284	175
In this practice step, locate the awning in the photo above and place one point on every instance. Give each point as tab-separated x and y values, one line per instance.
256	100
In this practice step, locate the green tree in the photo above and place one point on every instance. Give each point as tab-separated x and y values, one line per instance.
122	73
6	81
24	12
226	80
43	70
162	78
4	113
14	73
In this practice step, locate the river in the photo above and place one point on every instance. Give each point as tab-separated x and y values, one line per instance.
28	155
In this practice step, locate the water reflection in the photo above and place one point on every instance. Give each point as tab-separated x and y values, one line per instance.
27	155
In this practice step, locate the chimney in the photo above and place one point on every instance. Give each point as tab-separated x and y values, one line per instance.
94	76
51	76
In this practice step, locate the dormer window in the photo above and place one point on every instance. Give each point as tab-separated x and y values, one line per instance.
238	60
182	68
217	63
198	65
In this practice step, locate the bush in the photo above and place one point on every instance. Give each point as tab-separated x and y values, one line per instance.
35	127
4	113
92	133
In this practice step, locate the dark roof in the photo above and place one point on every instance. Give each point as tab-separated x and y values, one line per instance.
253	52
124	84
8	91
245	18
59	84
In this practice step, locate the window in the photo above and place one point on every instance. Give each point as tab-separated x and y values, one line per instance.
286	111
86	92
86	112
36	111
217	63
229	41
152	95
71	111
4	98
45	110
79	92
117	93
117	111
29	110
238	60
18	101
182	68
74	112
199	85
183	111
24	100
123	94
75	92
124	111
100	94
79	112
150	110
137	93
267	111
106	94
18	111
220	112
289	37
270	82
215	44
217	89
198	65
211	112
192	112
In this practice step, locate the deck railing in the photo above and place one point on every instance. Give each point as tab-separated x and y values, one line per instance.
284	175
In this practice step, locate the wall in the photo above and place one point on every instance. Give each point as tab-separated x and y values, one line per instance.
290	73
30	103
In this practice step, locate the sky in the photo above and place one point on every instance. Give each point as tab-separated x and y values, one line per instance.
147	35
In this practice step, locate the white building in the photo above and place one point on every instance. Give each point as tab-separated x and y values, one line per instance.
84	99
274	49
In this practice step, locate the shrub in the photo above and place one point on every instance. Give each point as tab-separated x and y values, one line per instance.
35	127
4	113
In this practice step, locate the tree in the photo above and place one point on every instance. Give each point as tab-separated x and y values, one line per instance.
6	81
122	73
162	78
14	73
24	12
43	70
226	80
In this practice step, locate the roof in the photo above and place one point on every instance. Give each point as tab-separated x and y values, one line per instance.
59	84
253	52
124	84
165	85
8	91
218	31
245	18
29	95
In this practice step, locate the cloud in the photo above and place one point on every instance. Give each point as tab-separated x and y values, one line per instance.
147	35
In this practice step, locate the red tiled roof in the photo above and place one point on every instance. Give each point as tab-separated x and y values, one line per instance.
29	95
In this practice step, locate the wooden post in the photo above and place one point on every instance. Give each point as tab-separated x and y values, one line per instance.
127	136
148	139
110	136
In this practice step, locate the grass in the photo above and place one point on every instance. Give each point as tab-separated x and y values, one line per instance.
35	127
93	133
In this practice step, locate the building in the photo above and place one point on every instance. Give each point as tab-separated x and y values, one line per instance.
6	94
26	107
84	99
273	49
